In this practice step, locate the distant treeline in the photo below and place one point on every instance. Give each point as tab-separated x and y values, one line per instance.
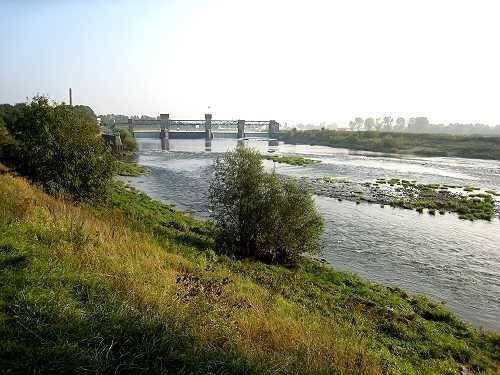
420	125
477	147
111	118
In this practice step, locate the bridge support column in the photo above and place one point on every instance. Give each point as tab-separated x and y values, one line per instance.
208	126
164	131
274	129
131	126
208	145
241	128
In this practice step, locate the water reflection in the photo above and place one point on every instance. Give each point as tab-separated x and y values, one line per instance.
165	144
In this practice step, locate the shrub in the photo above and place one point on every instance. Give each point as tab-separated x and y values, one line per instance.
7	143
260	215
61	149
128	141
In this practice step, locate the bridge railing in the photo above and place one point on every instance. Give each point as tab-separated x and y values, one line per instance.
164	124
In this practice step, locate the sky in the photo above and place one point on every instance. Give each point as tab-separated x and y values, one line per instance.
291	61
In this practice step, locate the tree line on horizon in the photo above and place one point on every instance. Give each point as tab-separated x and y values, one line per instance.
412	125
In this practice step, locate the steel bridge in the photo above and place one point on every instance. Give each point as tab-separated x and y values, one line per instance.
166	128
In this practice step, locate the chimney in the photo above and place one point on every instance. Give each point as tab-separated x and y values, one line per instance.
70	97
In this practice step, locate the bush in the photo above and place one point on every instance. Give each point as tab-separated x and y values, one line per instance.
260	215
6	141
58	147
128	141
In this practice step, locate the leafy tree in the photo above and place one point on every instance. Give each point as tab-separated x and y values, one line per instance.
352	125
260	215
7	143
369	123
86	112
400	124
128	141
388	121
359	123
379	124
61	149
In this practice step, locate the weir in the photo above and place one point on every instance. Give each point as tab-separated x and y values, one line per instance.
166	128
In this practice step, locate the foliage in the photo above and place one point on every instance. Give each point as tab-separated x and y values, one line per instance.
7	143
128	141
97	290
61	149
436	197
129	169
292	160
87	113
477	147
259	215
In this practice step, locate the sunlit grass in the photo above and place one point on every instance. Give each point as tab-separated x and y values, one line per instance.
134	286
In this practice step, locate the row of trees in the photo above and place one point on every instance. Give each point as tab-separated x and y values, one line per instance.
109	119
419	125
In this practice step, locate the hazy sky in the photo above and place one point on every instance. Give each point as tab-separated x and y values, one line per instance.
287	60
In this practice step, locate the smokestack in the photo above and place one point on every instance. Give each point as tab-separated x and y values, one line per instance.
70	97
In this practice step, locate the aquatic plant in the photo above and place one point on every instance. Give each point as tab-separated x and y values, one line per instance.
291	160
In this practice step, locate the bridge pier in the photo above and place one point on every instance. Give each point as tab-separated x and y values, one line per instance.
241	128
274	129
131	126
164	131
208	126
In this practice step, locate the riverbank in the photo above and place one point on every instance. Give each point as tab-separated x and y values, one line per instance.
133	285
475	147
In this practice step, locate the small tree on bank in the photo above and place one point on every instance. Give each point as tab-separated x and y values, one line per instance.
260	215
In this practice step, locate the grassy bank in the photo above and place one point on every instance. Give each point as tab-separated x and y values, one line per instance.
133	287
418	144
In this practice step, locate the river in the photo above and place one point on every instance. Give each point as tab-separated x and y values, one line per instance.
442	257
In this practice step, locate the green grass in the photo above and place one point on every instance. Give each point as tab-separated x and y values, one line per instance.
129	169
291	160
133	287
418	144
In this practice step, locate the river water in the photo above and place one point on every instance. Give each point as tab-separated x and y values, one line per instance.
445	258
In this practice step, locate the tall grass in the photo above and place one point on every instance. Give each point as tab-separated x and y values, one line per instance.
95	289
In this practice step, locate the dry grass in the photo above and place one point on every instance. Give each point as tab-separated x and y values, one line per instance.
159	281
235	316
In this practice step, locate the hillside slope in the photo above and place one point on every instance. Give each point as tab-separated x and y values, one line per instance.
132	287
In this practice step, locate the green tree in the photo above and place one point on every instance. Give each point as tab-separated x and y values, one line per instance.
86	112
61	149
260	215
359	123
369	123
388	123
400	124
128	141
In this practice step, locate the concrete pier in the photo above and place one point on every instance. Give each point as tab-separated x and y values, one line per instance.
241	128
131	126
274	129
164	131
208	126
